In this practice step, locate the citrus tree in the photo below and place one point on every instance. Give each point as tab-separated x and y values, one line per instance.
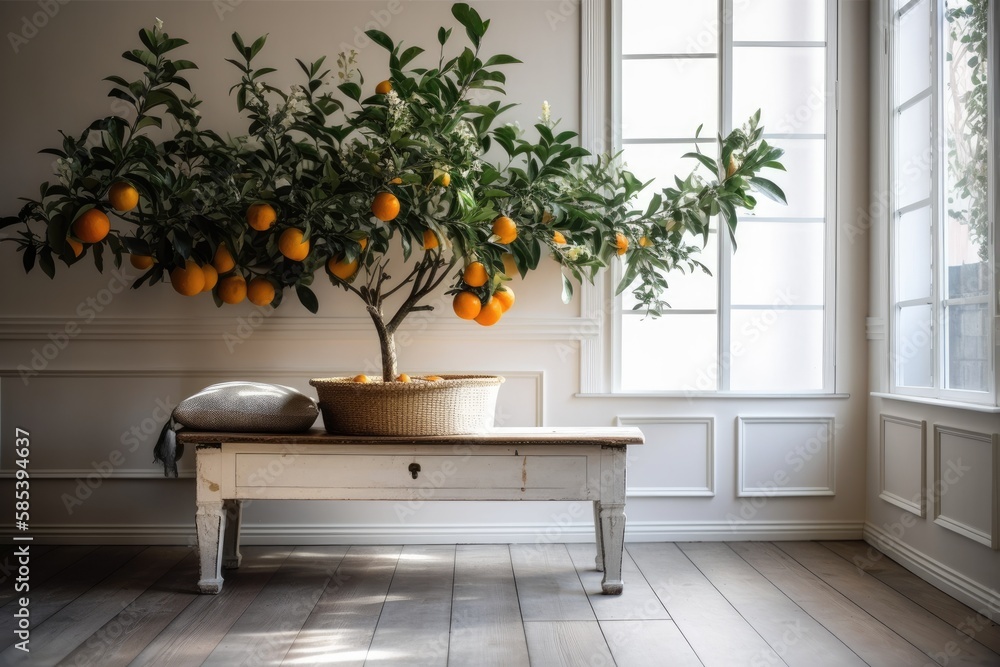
335	174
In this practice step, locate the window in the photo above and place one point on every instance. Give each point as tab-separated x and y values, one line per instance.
762	322
940	194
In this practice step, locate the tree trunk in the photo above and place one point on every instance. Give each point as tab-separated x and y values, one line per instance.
387	344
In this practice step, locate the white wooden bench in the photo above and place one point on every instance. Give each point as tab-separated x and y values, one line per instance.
568	464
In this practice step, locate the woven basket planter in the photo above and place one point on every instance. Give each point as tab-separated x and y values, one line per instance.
454	405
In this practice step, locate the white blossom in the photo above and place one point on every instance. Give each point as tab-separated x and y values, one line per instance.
399	113
158	23
546	112
576	253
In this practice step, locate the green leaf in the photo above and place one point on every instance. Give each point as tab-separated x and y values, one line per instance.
768	189
308	298
28	259
381	39
46	262
238	42
257	45
705	160
352	90
502	59
408	55
567	288
146	121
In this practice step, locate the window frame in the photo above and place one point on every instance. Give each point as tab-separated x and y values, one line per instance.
937	301
724	58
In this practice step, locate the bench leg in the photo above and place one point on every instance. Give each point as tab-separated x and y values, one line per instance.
613	545
211	520
231	556
599	536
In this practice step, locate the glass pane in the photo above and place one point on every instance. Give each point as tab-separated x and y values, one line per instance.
966	119
913	52
788	85
914	347
660	163
914	245
804	182
670	26
778	263
691	291
968	365
669	98
779	21
674	352
776	350
913	153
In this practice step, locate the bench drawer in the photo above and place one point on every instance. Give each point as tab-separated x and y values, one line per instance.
393	471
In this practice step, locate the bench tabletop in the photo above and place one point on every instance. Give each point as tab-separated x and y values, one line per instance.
579	435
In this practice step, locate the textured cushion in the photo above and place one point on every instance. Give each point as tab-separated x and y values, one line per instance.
247	406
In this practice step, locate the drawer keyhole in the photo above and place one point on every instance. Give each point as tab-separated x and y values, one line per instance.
414	469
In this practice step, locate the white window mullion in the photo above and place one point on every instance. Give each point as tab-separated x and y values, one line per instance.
725	244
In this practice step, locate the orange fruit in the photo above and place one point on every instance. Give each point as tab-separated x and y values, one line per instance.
363	242
232	289
293	245
123	197
475	275
141	262
644	242
223	260
261	216
466	305
621	243
92	226
189	279
383	88
430	240
490	313
396	181
341	269
260	291
547	217
403	377
433	378
361	379
558	238
76	246
385	206
442	178
505	228
211	277
505	296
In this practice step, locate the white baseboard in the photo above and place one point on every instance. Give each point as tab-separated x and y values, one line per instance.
273	534
983	599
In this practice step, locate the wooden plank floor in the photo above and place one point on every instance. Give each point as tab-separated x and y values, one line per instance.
706	603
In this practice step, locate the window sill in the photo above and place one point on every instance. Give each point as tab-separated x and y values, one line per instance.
940	402
712	395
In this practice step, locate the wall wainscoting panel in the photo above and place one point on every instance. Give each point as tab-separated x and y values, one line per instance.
785	456
903	463
677	459
973	593
965	483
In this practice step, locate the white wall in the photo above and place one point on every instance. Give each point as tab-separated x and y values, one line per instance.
933	471
151	346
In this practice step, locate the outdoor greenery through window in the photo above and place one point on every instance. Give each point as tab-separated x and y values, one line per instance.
941	197
760	321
